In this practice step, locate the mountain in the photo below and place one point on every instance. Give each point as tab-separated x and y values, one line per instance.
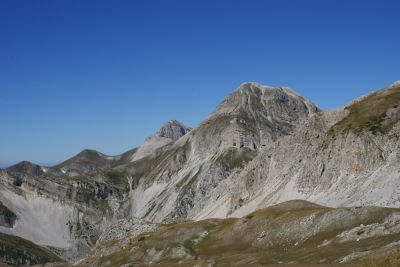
67	206
261	146
346	157
178	181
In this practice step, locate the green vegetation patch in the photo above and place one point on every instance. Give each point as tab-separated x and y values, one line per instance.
189	245
371	113
116	177
236	158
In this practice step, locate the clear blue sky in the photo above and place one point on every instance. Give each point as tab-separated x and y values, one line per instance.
106	74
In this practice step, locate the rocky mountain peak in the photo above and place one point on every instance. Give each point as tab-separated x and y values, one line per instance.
173	129
251	117
88	160
281	103
169	132
259	102
252	86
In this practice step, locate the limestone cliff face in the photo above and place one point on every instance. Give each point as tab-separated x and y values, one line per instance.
252	116
344	157
267	145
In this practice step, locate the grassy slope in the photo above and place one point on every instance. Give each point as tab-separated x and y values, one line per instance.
242	242
371	113
17	251
389	258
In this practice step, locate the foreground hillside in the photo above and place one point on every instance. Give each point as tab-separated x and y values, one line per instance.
294	232
17	252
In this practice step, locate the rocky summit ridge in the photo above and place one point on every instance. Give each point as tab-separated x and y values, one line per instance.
173	130
168	133
261	146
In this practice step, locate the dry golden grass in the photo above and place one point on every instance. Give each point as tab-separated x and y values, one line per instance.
234	242
370	113
386	259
